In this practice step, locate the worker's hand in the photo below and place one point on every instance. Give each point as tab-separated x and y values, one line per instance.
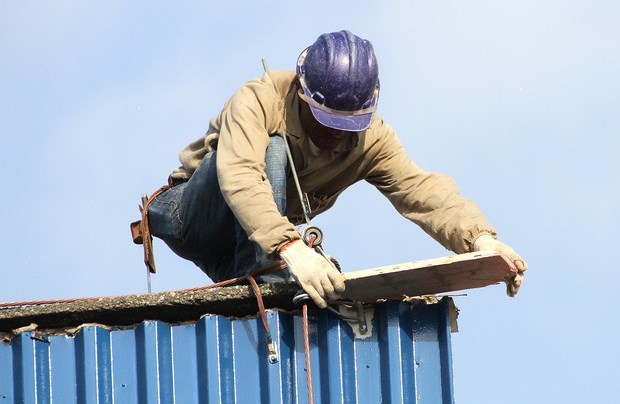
487	242
321	281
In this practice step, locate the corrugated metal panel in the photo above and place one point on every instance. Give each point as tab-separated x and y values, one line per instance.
406	359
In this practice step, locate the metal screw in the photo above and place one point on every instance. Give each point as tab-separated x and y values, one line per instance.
272	357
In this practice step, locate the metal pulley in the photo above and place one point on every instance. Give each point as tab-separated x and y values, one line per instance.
312	234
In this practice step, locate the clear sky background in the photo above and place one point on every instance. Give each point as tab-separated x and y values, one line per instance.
518	101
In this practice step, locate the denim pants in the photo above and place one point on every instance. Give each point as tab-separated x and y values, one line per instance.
194	220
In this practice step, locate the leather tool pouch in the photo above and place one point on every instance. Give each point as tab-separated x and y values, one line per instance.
136	231
141	233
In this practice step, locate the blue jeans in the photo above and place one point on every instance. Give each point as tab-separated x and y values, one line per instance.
194	220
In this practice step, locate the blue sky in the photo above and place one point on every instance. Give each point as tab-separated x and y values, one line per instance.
518	101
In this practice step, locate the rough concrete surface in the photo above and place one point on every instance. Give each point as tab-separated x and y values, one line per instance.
173	307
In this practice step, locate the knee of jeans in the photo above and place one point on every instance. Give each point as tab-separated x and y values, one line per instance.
276	141
276	161
164	220
276	149
206	172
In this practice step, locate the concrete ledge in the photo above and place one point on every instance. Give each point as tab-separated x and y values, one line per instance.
172	307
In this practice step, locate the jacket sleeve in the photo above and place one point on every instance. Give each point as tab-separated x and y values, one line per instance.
431	200
244	125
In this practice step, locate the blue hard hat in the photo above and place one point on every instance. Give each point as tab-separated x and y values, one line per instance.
339	79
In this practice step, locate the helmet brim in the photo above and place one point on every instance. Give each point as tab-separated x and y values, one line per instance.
349	123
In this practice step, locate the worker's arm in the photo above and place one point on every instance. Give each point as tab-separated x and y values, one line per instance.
431	200
244	126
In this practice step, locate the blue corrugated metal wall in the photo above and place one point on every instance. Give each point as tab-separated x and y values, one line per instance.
407	359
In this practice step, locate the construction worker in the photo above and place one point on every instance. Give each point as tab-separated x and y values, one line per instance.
234	205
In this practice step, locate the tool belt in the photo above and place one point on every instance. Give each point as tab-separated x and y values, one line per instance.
140	231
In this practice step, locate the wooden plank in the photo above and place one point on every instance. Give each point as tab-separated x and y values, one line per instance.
438	275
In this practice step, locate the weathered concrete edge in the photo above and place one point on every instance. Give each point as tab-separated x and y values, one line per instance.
173	307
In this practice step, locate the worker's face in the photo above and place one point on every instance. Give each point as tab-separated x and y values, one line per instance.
323	137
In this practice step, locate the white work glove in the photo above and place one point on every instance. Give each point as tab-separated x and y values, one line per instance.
487	242
317	277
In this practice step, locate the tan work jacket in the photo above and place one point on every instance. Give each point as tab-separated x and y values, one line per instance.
270	106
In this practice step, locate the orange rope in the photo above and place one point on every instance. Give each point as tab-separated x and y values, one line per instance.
226	282
311	241
261	305
304	311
